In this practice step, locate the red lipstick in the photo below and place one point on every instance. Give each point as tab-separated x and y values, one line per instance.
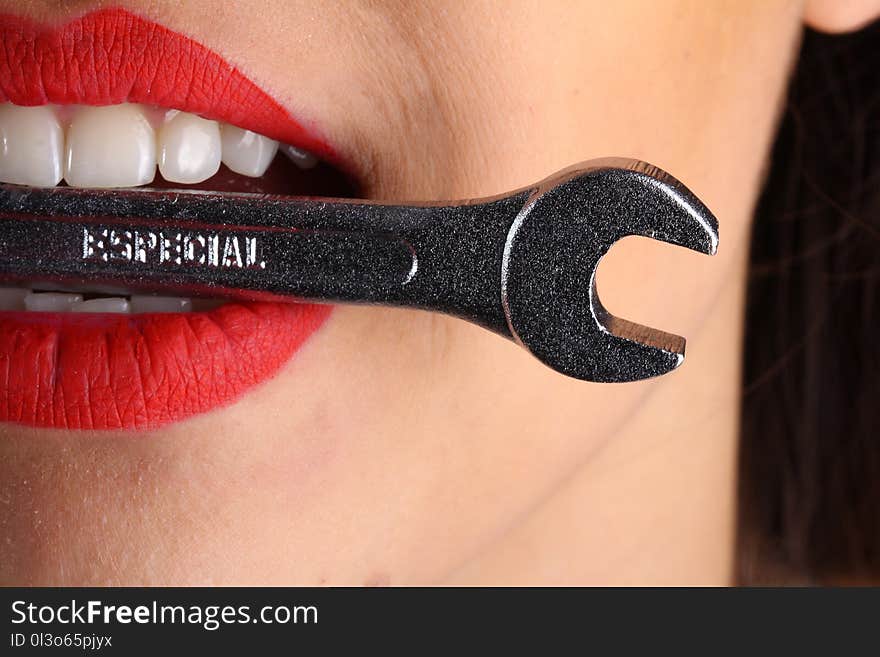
139	371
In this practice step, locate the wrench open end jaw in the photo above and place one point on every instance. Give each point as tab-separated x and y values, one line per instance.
554	250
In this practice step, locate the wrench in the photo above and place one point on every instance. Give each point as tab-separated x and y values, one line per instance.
522	265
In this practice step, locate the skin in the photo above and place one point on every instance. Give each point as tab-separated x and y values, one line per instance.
402	447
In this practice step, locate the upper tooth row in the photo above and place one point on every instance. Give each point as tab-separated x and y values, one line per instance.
120	146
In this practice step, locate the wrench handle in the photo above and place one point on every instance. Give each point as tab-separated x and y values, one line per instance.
443	258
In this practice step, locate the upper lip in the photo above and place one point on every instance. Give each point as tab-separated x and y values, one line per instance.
112	56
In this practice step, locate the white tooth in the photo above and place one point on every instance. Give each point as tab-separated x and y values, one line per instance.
102	305
302	159
189	149
111	146
246	152
51	302
152	304
31	145
12	298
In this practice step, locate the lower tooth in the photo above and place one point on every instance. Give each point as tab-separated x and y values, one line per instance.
153	304
12	298
51	302
103	305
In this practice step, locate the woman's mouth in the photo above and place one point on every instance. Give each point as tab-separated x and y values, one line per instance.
112	100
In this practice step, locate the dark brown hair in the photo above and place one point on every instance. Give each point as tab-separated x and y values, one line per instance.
809	499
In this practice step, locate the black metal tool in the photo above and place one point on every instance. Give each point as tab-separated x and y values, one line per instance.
522	265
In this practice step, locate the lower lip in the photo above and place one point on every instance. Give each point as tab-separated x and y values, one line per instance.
104	371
